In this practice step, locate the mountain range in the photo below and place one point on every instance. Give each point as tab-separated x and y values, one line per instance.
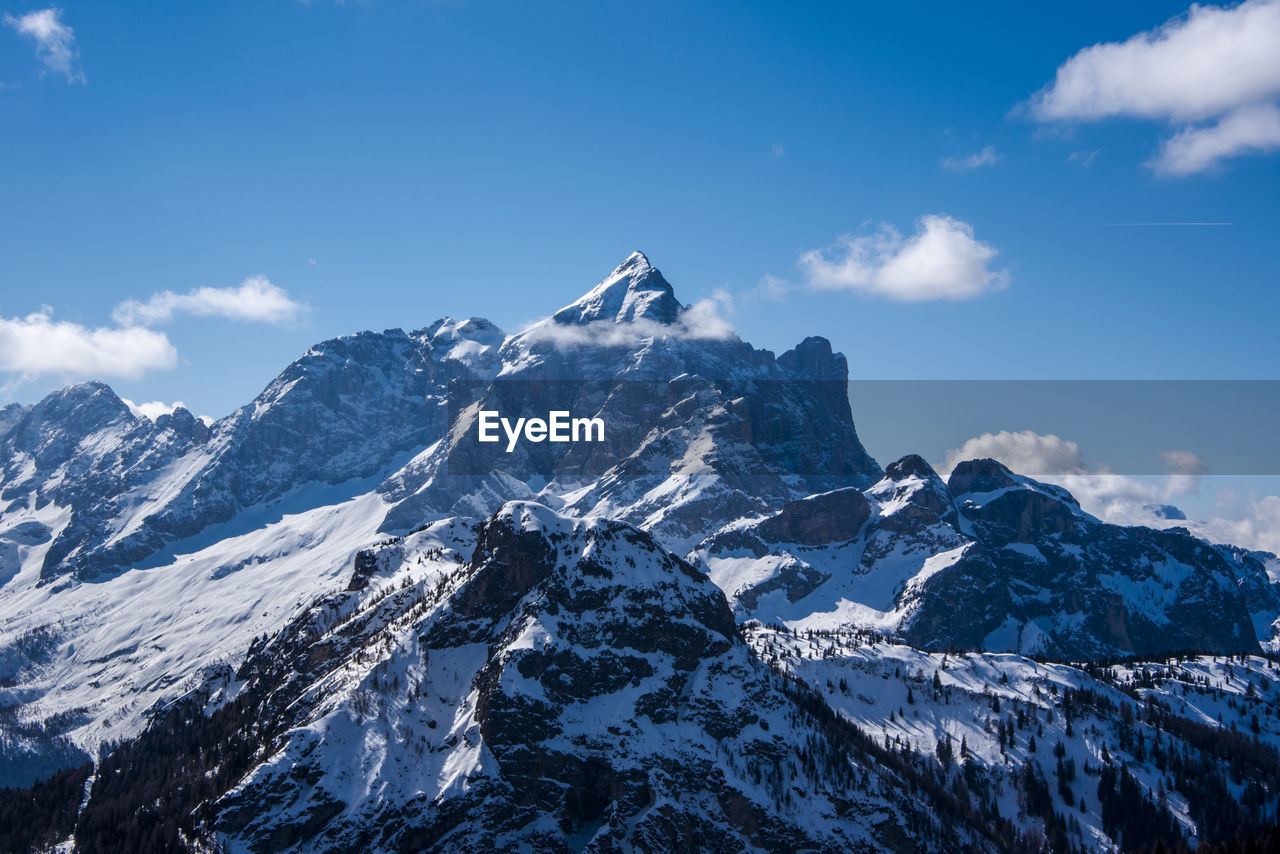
333	621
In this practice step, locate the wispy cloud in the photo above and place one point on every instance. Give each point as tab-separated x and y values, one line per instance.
771	287
37	345
1210	72
988	156
942	260
1256	527
55	42
1084	158
256	299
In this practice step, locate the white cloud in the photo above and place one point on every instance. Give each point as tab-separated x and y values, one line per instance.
37	345
1195	66
988	156
704	320
255	299
1248	130
1214	63
1023	451
55	41
152	409
942	260
777	150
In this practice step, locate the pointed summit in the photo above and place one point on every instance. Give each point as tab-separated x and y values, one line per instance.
635	290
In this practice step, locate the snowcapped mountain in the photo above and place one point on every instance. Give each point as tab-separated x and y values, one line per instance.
358	627
989	560
571	686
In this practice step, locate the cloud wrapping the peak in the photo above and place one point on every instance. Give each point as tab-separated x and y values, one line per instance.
256	299
704	320
942	260
55	41
1213	71
38	345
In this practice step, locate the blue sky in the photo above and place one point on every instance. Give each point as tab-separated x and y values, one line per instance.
386	163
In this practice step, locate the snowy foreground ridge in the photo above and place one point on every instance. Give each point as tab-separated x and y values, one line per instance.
332	622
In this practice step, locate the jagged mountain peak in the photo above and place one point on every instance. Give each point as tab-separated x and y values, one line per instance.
531	516
635	290
471	341
981	480
93	394
1165	511
73	412
463	328
814	358
912	487
984	475
912	465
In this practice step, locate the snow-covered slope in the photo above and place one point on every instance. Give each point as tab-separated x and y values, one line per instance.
1099	757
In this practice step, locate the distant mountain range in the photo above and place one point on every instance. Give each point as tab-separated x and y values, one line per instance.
333	621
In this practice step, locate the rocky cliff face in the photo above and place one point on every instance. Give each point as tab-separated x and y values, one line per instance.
1057	581
989	560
